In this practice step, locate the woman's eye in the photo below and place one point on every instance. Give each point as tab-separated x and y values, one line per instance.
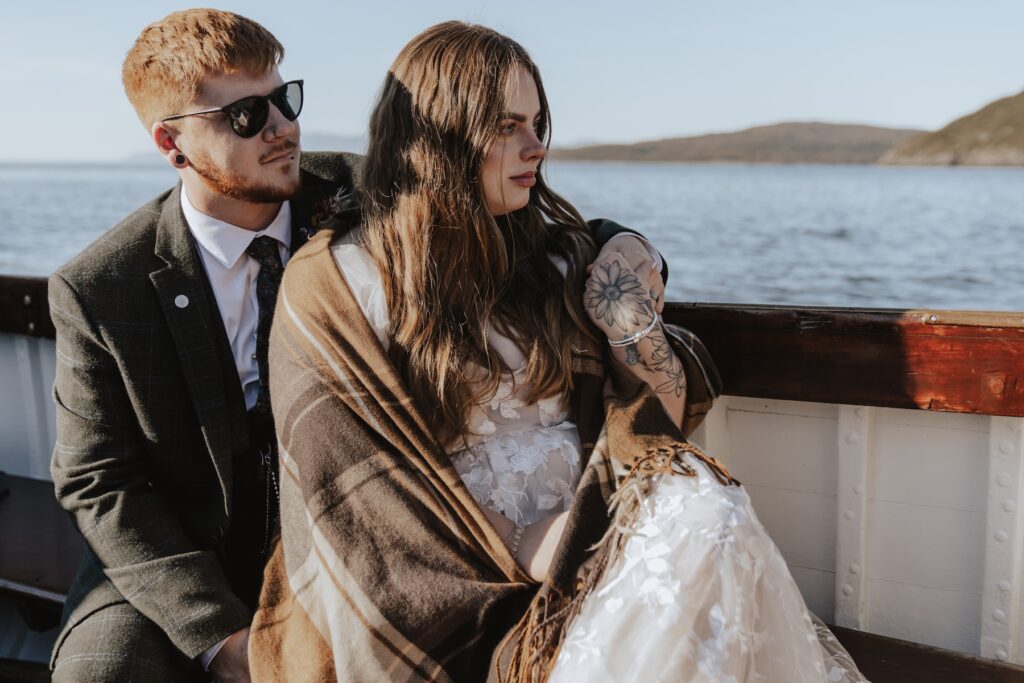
508	128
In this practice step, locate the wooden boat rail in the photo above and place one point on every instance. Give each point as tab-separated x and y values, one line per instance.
954	361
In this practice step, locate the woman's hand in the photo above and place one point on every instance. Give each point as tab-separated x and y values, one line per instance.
622	296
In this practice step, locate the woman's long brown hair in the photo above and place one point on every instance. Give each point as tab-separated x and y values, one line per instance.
450	269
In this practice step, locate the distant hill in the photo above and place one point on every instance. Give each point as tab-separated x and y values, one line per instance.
991	136
782	143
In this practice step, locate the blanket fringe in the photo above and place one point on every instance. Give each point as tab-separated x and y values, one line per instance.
538	636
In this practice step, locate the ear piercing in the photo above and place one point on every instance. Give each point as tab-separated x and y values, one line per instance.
179	159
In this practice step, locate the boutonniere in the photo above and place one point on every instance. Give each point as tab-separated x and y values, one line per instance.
340	208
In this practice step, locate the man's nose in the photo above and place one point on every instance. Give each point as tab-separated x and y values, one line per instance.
278	126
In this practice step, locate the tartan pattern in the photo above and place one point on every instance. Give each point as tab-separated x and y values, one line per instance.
150	414
117	643
387	568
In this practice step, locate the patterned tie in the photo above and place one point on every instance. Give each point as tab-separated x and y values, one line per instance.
265	251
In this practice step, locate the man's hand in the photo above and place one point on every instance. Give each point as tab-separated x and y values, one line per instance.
231	665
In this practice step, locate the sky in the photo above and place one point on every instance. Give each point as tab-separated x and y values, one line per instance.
617	71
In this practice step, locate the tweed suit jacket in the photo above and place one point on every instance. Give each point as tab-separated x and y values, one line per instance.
150	413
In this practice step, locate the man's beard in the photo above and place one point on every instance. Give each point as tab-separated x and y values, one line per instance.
230	185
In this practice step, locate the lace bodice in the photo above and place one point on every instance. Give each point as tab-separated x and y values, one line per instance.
522	460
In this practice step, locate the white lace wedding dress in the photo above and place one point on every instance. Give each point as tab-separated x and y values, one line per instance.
700	593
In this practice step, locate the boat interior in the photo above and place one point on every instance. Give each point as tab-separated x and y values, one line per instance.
883	450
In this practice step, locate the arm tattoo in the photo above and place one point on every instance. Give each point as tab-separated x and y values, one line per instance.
632	355
615	295
664	360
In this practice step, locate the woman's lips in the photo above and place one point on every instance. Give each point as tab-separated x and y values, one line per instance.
525	179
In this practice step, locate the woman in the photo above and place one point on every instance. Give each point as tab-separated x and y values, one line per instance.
464	413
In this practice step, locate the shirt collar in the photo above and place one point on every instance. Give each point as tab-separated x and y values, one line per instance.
226	242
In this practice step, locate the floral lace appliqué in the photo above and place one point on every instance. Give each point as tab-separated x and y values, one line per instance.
520	459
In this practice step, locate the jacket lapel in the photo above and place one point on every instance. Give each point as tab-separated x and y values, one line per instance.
318	203
302	211
195	325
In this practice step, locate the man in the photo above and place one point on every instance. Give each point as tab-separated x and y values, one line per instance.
165	442
165	452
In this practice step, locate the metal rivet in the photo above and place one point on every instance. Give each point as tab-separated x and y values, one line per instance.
858	489
1005	586
999	615
1001	655
1003	479
28	299
847	589
855	568
1001	536
848	514
1010	506
181	301
933	318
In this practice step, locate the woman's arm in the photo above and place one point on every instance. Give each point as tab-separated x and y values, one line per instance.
653	361
624	298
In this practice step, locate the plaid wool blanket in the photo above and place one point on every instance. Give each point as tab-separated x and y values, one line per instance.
387	569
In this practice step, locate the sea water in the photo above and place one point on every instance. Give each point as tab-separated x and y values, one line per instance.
810	235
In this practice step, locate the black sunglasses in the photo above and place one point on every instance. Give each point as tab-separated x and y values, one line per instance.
249	114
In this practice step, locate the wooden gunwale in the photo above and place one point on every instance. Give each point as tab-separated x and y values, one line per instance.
953	361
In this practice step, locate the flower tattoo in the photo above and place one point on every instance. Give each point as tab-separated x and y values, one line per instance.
615	296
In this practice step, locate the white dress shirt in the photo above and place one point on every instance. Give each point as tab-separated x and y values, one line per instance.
232	274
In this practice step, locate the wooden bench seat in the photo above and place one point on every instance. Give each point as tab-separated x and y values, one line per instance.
885	660
39	550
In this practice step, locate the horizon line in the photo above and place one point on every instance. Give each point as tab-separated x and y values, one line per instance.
130	158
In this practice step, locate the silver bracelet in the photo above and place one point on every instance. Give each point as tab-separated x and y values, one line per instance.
629	341
513	541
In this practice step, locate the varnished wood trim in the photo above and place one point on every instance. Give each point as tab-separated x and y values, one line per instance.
967	362
956	361
23	307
